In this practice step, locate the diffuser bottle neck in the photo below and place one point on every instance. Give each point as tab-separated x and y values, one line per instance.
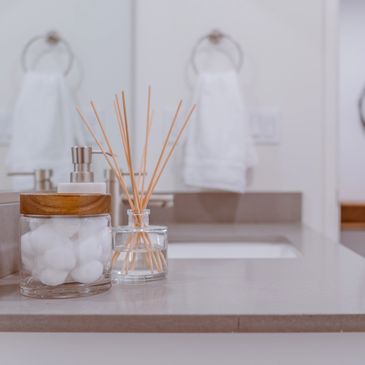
138	219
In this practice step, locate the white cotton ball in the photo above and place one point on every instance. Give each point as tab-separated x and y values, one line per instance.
26	245
60	258
53	277
34	223
38	267
44	237
91	226
105	240
28	263
88	272
98	222
88	249
66	226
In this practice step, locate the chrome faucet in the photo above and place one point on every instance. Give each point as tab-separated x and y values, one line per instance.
113	188
42	179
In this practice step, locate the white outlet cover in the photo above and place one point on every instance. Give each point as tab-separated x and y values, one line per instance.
264	123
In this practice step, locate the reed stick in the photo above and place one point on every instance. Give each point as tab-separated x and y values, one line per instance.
131	171
167	137
117	173
153	183
145	156
105	135
120	126
144	151
123	128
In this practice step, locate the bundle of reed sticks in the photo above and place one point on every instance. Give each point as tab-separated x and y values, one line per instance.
141	191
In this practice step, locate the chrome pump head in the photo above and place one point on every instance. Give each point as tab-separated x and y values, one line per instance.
81	159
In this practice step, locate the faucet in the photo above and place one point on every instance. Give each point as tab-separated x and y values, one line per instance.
42	179
113	188
119	200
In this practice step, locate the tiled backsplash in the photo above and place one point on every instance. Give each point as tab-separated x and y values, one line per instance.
265	207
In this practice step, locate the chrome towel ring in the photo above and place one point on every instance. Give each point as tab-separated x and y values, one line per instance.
51	38
216	37
360	106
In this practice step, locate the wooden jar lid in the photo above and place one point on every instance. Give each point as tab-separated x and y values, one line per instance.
64	204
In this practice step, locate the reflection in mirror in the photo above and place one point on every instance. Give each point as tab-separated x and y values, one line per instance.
55	58
254	69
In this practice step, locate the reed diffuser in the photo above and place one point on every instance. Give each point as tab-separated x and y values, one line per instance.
140	250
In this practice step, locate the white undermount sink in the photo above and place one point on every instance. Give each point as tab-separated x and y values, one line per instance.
233	250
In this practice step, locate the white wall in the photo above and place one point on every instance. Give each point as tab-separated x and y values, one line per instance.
283	42
352	81
99	33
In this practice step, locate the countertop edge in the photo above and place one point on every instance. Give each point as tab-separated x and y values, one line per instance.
184	323
7	197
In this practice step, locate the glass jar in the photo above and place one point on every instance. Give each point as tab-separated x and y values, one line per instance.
66	245
140	250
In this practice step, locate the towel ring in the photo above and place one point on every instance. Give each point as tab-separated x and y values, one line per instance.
52	39
216	37
360	105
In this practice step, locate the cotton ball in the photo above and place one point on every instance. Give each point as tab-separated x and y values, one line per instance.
28	263
34	223
26	245
60	258
44	237
91	226
66	226
53	277
105	239
98	223
38	267
88	249
88	272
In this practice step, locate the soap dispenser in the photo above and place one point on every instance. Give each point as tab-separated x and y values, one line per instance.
82	177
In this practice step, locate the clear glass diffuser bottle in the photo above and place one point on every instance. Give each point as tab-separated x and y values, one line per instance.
140	250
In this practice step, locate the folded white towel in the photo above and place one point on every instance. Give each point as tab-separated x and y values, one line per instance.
219	146
44	126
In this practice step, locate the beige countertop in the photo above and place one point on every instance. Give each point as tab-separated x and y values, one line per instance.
323	290
8	197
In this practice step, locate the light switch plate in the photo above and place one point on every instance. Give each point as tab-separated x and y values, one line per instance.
264	123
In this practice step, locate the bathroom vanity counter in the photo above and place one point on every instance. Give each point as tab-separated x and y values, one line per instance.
320	290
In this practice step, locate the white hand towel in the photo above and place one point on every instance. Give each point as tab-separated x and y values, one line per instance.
44	126
219	147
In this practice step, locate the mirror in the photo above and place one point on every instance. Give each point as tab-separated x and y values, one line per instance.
272	53
100	59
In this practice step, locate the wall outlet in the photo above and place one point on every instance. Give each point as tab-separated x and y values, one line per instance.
264	123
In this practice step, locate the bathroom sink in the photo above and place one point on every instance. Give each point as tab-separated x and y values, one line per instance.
233	250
